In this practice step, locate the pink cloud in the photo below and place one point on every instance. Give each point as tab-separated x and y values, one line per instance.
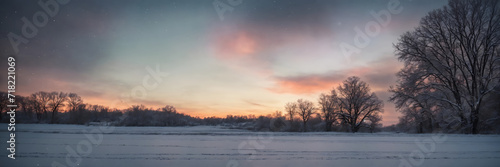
253	48
379	76
305	84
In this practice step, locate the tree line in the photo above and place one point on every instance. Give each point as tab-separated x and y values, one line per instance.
69	108
354	108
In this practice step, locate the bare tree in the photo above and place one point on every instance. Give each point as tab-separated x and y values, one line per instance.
357	102
457	48
413	100
80	114
277	114
329	104
374	122
169	114
291	109
56	100
74	101
26	107
39	100
305	109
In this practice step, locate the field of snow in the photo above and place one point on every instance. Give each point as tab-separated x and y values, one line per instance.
93	146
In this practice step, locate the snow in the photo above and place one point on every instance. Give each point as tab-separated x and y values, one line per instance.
43	145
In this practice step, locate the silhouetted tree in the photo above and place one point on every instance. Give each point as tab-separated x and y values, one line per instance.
357	102
40	102
329	104
26	108
74	101
56	100
291	110
374	123
305	109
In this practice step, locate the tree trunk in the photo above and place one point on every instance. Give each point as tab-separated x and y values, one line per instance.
53	120
475	121
305	128
328	126
38	116
420	128
354	129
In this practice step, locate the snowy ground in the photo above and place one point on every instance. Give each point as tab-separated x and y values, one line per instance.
93	146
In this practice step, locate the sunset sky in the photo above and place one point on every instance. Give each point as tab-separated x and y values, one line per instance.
261	55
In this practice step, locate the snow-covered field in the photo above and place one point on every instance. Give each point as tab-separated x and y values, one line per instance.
93	146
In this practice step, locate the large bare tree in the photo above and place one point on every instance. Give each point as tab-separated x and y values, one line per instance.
39	101
457	50
305	110
56	101
74	101
357	102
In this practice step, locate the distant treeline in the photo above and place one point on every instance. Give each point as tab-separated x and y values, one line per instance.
69	108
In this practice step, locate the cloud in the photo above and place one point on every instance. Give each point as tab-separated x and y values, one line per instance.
380	74
236	44
259	36
254	103
306	84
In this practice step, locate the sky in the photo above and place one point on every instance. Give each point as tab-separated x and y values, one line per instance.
206	58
